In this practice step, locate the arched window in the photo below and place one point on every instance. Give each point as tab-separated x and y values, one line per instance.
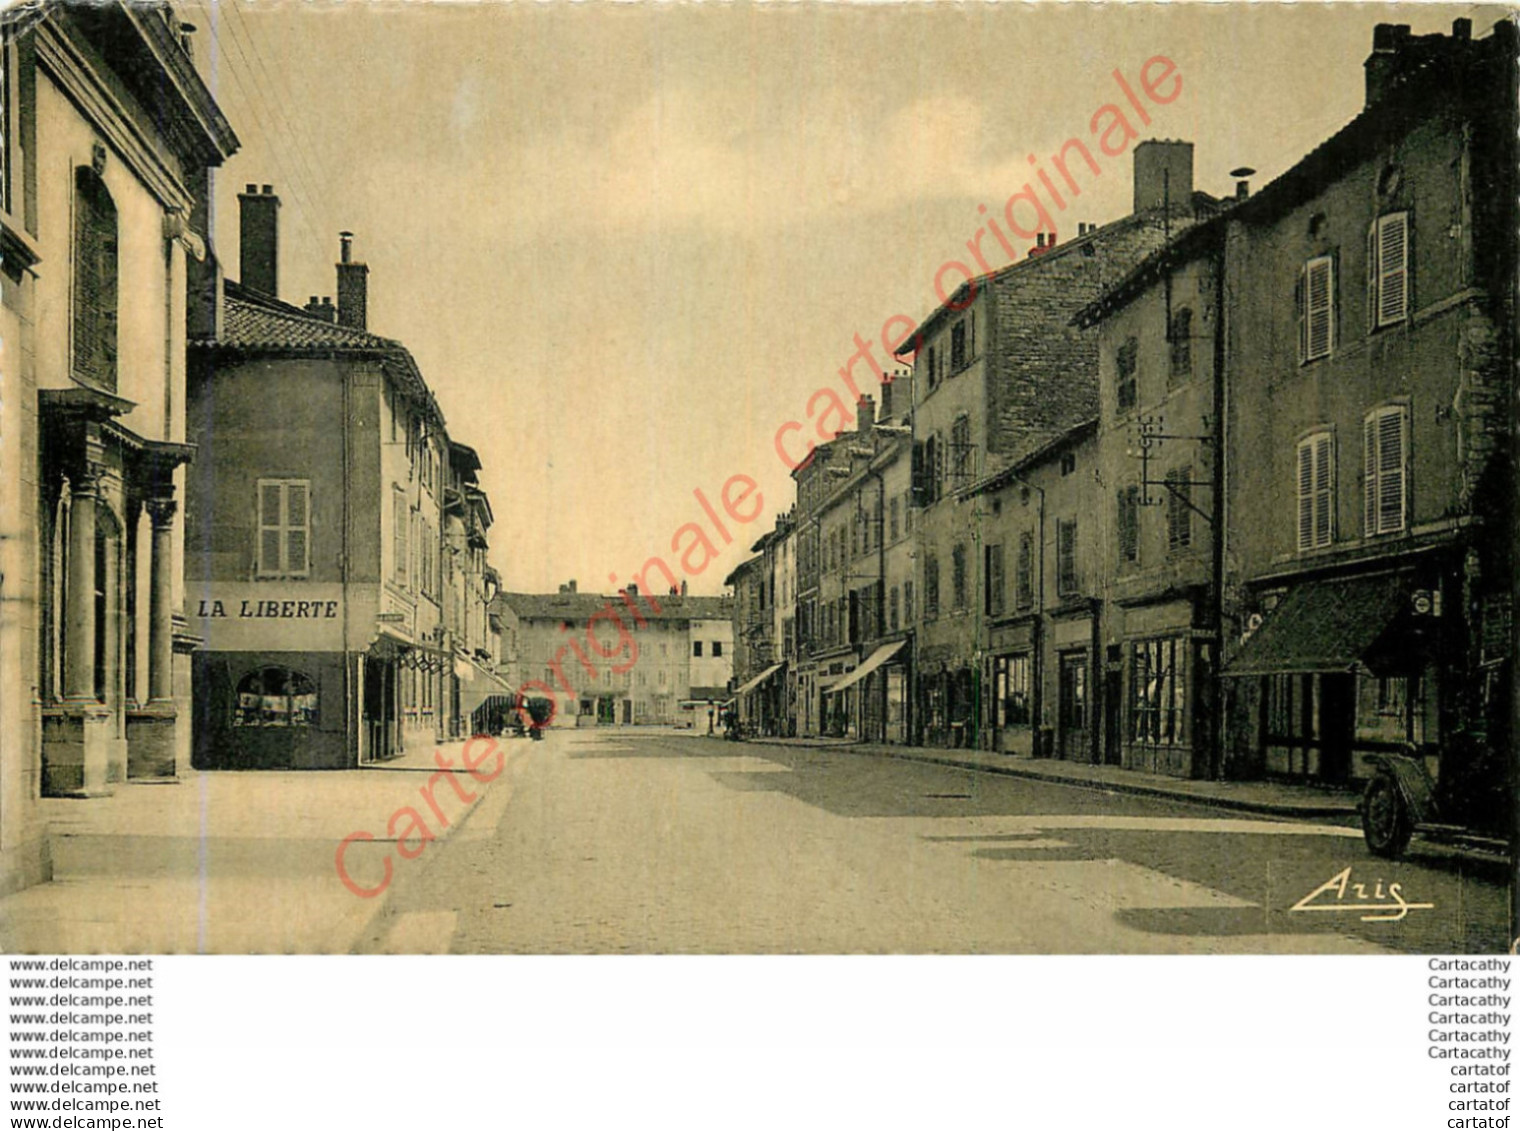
94	280
275	697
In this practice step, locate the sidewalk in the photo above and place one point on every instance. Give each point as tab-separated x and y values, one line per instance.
1272	798
229	862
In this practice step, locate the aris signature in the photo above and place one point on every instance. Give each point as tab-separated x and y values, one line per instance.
1385	906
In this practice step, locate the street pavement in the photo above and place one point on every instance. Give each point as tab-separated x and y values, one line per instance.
632	841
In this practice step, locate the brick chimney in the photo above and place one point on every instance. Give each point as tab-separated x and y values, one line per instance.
353	286
886	396
1163	171
1396	54
865	414
259	239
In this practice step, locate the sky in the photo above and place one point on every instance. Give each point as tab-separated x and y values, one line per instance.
625	243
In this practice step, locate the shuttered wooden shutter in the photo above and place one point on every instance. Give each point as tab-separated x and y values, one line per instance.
296	525
1385	438
1393	268
271	500
1306	495
1324	491
1391	470
1320	308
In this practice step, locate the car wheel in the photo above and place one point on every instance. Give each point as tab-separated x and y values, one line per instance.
1385	818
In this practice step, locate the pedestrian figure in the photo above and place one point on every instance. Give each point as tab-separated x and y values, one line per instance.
709	719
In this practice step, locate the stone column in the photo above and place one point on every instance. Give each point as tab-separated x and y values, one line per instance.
76	736
79	603
161	603
152	731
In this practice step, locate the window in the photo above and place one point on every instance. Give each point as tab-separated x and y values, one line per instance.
892	518
960	443
275	697
1066	557
1011	697
1316	309
696	648
993	580
1388	270
1158	686
1125	363
401	521
94	281
284	527
1068	463
892	608
1025	574
1180	335
717	649
931	587
933	361
1316	492
958	346
958	576
1129	524
1385	482
1179	509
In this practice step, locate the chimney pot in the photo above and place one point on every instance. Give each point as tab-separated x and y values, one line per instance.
268	190
251	189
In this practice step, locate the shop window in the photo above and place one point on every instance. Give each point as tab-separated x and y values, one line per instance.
1158	692
1011	692
275	697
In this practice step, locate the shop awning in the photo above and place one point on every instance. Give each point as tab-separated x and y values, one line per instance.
1330	626
872	662
759	679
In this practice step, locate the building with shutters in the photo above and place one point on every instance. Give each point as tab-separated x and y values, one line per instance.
999	371
336	565
1370	519
108	138
626	659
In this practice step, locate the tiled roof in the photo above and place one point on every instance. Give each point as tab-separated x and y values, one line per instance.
252	322
580	606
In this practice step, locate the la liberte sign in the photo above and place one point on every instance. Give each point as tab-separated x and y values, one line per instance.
286	610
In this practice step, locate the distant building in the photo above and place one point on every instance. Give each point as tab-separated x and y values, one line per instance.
336	559
108	144
629	658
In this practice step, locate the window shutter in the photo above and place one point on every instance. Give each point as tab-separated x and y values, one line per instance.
296	521
1324	491
1390	501
1306	495
1372	277
1369	475
1301	312
1393	264
1320	303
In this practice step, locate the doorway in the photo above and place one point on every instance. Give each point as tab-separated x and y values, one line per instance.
1072	699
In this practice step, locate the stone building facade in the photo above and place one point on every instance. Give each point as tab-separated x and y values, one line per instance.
108	142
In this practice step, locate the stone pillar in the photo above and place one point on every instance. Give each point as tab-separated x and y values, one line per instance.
76	735
152	730
112	688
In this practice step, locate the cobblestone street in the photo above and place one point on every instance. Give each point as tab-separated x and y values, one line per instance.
647	841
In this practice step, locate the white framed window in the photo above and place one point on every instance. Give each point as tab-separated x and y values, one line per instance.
1316	309
1385	447
1316	491
284	527
1388	270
